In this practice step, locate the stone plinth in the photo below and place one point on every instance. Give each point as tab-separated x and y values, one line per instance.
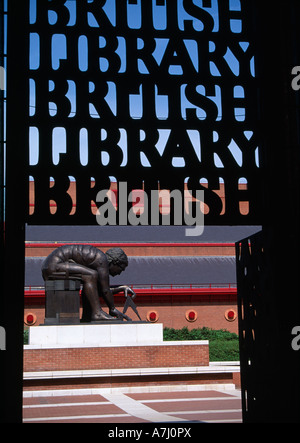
121	334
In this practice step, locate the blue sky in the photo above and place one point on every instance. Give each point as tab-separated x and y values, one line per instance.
159	13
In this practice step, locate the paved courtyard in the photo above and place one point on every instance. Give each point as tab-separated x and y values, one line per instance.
206	406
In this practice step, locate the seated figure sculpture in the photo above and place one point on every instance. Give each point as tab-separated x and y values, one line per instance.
92	267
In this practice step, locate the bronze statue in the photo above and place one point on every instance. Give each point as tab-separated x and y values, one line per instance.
92	267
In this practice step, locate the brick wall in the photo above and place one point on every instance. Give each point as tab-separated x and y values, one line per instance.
211	315
32	250
131	382
163	356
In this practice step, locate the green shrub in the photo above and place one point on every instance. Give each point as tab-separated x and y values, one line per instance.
223	345
223	350
26	336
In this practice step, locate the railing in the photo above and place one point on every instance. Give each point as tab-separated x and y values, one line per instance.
30	244
207	291
185	286
160	286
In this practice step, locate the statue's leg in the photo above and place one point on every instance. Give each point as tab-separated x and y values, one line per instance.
86	309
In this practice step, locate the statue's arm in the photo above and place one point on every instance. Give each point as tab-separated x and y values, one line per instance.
118	289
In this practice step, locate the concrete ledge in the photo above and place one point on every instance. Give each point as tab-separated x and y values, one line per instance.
155	379
132	390
225	363
144	344
51	375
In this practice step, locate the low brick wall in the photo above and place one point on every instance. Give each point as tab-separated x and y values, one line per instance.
131	382
124	357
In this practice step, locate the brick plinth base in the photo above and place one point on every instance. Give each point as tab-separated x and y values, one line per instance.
124	357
